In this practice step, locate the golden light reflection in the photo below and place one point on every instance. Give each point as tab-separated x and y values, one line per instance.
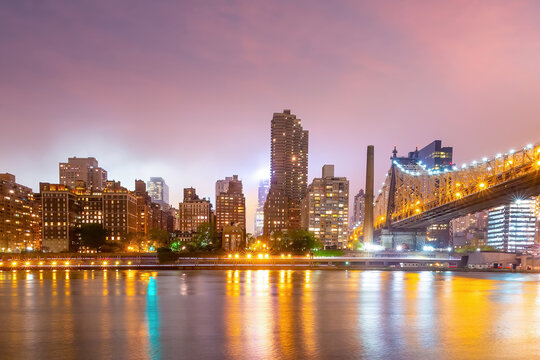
105	290
130	283
301	314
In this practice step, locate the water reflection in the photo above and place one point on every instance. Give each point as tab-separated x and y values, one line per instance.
262	314
153	319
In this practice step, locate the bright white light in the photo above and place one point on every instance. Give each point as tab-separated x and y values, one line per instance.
449	249
399	248
484	159
464	166
512	151
428	248
262	174
373	247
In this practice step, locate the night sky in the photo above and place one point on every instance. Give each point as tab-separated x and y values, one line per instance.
185	90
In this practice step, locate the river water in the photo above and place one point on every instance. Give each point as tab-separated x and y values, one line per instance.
264	314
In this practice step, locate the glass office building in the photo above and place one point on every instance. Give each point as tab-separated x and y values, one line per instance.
512	227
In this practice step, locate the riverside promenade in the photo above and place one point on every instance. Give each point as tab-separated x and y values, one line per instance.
230	261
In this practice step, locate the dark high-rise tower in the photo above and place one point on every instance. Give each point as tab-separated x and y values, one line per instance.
288	173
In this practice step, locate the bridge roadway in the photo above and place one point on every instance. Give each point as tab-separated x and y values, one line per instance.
276	263
519	188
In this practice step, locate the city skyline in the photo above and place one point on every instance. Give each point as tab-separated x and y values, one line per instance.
91	91
276	179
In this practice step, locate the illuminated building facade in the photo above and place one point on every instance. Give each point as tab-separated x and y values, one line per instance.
432	157
325	209
86	170
119	211
60	218
158	191
264	187
232	237
359	204
470	230
144	208
114	208
193	212
512	227
438	236
19	216
231	206
222	186
288	173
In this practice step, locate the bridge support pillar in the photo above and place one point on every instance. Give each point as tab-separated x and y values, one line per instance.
412	239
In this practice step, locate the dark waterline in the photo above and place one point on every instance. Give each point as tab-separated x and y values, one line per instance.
266	314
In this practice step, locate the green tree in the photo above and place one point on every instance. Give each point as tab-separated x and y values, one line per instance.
93	236
295	241
279	241
302	240
159	237
206	238
135	241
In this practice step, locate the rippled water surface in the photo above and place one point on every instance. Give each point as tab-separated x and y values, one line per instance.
268	315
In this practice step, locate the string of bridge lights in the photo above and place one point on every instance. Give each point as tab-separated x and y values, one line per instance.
455	167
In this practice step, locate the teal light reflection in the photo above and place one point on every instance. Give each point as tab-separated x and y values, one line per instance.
153	320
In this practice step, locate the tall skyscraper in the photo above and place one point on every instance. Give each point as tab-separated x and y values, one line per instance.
82	169
158	191
288	171
512	227
325	209
264	187
358	209
19	216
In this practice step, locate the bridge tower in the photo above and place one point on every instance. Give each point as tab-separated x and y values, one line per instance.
390	238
